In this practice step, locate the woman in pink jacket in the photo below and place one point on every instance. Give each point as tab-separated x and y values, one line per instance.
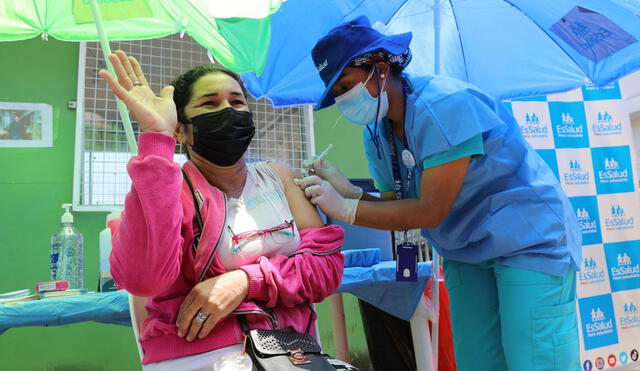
263	250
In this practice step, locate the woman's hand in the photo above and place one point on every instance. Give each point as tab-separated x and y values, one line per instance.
153	113
216	297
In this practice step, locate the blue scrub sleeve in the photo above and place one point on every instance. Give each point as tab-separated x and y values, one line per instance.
470	147
441	125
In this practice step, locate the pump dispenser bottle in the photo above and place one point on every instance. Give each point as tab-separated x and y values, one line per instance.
67	252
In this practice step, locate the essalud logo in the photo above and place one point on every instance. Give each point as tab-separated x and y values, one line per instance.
533	127
612	172
586	37
590	272
618	219
630	317
599	324
606	125
575	174
587	224
568	127
625	268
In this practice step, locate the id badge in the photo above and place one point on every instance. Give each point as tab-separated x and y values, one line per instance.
407	262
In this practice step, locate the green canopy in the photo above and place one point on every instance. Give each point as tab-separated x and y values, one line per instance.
235	32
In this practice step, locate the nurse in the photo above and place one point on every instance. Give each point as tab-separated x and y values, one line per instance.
459	169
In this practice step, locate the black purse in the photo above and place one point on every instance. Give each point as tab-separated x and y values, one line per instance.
283	350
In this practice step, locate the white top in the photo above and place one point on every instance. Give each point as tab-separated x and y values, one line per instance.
262	205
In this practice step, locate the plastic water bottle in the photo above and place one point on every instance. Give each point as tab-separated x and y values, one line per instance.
106	281
67	252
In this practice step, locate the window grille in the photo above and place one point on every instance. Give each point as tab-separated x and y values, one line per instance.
100	178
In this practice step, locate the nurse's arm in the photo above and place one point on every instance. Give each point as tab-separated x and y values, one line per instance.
389	195
439	189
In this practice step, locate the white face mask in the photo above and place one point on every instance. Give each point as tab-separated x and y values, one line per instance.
359	107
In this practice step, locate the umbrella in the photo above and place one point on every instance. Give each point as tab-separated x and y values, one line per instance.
235	32
508	48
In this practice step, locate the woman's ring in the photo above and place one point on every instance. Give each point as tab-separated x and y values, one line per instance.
200	316
137	83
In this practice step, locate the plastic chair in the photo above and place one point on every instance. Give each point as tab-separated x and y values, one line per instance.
138	313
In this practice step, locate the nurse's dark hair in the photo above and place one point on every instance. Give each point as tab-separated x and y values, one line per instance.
396	70
183	85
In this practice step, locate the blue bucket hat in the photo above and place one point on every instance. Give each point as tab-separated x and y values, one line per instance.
341	45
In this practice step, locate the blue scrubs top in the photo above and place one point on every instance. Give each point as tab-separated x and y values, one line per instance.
511	208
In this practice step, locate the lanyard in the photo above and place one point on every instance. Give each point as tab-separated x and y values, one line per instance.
400	190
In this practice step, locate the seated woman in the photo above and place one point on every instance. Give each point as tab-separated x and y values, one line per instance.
263	250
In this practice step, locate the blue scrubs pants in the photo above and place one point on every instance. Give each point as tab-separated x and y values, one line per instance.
506	318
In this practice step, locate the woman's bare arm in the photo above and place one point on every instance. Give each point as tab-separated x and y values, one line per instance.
304	213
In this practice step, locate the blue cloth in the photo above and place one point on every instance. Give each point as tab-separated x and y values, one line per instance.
364	276
377	286
107	307
507	48
512	319
511	208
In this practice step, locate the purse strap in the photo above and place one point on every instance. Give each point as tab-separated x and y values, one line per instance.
242	320
196	206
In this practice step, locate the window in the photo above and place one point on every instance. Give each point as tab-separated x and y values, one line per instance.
100	178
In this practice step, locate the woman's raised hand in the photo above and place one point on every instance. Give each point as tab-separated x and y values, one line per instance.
153	113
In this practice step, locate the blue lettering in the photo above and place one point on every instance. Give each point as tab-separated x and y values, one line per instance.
591	275
616	222
605	128
533	129
569	177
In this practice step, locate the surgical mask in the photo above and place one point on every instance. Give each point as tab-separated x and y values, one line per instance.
222	137
359	107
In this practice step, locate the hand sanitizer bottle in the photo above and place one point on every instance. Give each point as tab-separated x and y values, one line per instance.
67	252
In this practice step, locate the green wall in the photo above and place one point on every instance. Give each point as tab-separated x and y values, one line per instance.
348	153
34	183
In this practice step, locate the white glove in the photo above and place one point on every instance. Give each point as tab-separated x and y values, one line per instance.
331	173
327	198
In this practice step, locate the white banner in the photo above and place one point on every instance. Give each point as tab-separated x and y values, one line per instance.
585	137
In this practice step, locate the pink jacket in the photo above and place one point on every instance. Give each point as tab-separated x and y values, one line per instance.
152	256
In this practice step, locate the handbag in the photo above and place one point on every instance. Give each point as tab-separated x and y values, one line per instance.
283	350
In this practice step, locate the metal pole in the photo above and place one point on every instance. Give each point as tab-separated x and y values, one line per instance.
106	51
340	337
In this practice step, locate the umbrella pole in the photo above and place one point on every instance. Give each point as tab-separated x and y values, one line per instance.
437	8
106	51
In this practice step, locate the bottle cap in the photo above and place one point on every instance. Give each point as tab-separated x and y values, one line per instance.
66	217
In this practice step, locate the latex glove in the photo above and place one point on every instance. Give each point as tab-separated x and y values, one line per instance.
216	297
322	194
331	173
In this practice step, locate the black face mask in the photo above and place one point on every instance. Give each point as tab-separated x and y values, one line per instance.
223	136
